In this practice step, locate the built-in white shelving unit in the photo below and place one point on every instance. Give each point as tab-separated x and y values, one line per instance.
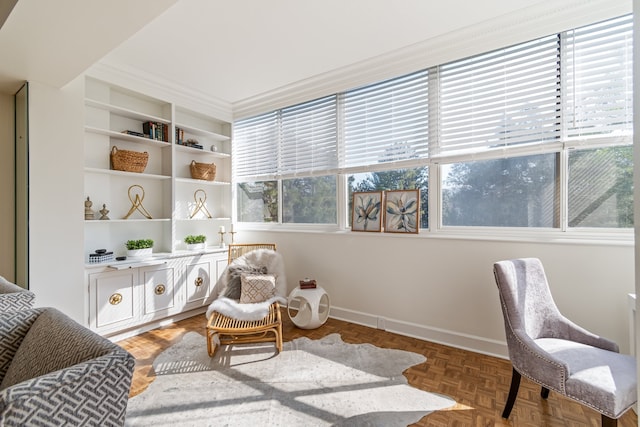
128	296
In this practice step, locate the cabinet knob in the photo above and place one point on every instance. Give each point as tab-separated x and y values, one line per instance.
160	289
199	281
115	299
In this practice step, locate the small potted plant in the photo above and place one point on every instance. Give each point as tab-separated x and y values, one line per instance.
195	242
141	248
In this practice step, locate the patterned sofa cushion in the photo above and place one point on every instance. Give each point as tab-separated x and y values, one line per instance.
46	349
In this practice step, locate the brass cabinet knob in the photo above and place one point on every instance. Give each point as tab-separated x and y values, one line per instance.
160	289
199	281
115	299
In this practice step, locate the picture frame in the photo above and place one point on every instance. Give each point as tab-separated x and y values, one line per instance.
402	211
366	211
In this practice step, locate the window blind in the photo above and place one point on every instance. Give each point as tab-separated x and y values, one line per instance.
309	137
387	121
597	79
255	145
500	98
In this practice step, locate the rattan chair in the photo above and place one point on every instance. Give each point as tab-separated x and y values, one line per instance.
224	330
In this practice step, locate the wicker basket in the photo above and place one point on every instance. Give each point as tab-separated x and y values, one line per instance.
128	161
206	171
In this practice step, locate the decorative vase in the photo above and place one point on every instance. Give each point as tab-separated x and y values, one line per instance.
139	253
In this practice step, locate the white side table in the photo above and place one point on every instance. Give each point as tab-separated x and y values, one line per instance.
313	307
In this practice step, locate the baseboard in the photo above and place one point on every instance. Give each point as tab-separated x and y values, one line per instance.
437	335
121	335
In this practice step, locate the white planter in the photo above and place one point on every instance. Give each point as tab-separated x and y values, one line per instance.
196	246
139	253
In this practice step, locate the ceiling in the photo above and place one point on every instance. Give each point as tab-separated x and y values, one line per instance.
231	50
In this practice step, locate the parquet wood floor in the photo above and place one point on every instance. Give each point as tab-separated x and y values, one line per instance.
478	383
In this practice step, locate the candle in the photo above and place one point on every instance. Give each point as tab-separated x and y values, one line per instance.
232	227
222	229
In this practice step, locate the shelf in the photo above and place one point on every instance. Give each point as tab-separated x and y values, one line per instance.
204	219
201	132
200	151
126	174
127	137
201	182
124	112
107	221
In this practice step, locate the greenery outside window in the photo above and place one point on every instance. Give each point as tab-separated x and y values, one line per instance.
310	200
507	192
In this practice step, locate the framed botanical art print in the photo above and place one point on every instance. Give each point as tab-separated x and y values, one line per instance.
366	213
402	211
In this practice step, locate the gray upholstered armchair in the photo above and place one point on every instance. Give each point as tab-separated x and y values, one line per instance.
13	297
54	371
554	352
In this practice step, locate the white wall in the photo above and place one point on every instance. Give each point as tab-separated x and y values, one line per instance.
7	253
443	289
56	203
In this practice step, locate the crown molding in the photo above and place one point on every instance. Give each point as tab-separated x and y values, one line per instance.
137	80
537	21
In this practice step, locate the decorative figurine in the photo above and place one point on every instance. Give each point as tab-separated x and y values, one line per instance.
136	202
88	212
200	205
104	211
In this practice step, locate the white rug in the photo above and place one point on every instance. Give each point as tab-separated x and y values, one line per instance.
323	382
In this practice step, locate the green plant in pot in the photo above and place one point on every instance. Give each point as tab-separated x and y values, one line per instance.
195	241
139	248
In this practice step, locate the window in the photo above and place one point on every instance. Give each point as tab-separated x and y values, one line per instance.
386	122
257	201
310	200
601	187
535	135
501	98
507	192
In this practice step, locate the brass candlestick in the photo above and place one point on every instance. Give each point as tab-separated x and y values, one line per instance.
232	238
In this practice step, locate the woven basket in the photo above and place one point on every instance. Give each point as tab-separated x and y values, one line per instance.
128	161
206	171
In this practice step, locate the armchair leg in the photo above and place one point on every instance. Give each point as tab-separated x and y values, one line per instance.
544	393
609	422
513	393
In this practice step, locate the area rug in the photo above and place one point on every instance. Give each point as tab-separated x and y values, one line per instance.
324	382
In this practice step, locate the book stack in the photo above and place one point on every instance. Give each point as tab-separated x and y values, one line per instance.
100	257
179	136
156	130
307	284
134	133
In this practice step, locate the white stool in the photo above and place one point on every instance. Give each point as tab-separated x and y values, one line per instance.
312	305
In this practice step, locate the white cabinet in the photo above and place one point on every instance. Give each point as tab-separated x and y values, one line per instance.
127	299
113	299
163	202
159	291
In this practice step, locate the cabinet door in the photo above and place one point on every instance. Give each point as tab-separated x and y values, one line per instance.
198	282
159	289
113	299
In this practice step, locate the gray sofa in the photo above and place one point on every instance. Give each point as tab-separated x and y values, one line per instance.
13	297
54	372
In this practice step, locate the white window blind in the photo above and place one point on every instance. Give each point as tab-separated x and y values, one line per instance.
309	137
597	79
501	98
386	122
255	145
